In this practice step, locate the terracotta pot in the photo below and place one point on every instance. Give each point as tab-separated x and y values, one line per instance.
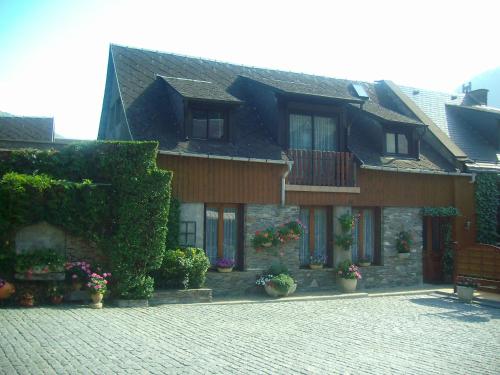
7	290
96	297
404	255
56	300
316	266
348	285
273	292
27	301
224	270
465	293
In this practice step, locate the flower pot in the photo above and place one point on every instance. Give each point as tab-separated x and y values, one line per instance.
404	255
7	290
465	293
316	266
76	286
224	269
267	244
365	264
273	292
348	285
27	301
56	300
96	297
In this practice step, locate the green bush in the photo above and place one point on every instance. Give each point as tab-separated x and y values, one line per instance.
183	268
282	283
486	208
278	268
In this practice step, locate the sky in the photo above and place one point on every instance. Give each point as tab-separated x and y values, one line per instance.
54	53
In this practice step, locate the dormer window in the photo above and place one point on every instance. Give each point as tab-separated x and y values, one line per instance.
310	132
208	124
396	143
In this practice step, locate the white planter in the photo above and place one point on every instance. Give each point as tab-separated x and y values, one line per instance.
365	264
272	292
465	293
404	255
348	285
316	266
225	269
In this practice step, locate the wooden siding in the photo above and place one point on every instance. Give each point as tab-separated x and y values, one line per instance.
216	181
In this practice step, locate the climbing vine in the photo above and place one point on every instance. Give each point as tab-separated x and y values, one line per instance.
440	211
486	208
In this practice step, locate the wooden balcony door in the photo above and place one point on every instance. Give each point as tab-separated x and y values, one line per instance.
433	249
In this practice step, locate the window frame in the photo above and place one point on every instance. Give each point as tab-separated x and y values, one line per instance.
335	116
239	255
207	109
377	235
396	134
329	234
186	233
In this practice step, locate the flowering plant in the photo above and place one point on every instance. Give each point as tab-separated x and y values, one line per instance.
292	230
263	279
347	222
98	283
265	238
2	283
55	290
404	242
224	263
274	236
346	270
78	271
318	259
466	281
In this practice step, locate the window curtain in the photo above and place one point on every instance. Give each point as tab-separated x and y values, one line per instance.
355	243
300	132
230	233
369	233
319	232
212	219
402	144
304	240
325	137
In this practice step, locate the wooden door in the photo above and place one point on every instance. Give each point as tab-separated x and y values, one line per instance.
433	249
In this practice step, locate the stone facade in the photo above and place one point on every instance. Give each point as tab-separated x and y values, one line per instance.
395	271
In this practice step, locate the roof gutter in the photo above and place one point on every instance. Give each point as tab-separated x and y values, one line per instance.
231	158
417	171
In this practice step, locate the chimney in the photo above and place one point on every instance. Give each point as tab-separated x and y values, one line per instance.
476	97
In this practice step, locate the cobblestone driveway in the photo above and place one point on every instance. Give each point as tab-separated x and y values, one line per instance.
385	335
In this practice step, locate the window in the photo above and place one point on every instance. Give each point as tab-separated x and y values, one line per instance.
187	234
222	230
366	235
315	241
313	132
208	124
396	143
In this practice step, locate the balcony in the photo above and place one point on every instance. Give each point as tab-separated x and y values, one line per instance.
322	171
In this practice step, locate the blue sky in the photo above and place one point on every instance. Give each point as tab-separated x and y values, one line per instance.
53	54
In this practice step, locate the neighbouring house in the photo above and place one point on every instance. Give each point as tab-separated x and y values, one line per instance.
252	148
27	131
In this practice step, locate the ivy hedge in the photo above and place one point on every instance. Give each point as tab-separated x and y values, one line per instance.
486	208
109	192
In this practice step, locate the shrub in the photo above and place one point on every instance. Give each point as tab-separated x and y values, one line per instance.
278	268
183	268
282	283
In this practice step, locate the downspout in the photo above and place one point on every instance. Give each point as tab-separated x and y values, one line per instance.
283	182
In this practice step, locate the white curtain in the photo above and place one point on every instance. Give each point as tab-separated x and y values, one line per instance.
402	144
355	234
319	232
230	233
304	240
325	134
368	235
212	219
300	132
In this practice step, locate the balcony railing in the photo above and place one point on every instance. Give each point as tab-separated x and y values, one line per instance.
322	168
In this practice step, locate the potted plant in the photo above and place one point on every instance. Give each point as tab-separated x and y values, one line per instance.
274	236
56	294
77	273
349	275
39	262
280	285
6	289
224	265
345	239
465	288
403	243
317	262
364	261
27	299
98	286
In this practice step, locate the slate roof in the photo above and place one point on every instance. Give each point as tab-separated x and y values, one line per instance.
438	107
138	72
18	128
200	90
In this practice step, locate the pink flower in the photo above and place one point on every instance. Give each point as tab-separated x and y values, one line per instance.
105	281
74	277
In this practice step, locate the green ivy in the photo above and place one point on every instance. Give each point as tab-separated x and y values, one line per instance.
486	208
440	211
124	209
448	259
174	214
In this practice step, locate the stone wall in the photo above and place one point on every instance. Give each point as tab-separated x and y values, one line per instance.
259	217
395	271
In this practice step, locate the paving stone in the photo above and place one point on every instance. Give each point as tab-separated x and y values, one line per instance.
384	335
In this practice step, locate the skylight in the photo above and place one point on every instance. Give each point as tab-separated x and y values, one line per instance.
360	91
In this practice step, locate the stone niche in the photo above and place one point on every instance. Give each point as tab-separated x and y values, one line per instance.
43	235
